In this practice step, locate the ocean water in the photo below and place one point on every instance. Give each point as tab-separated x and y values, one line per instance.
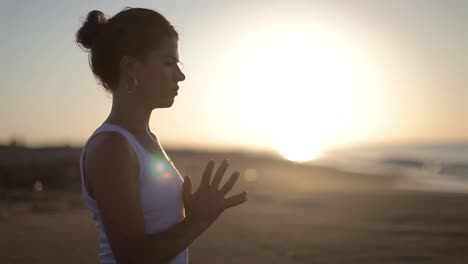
441	167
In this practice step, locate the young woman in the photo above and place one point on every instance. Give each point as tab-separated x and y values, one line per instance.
144	209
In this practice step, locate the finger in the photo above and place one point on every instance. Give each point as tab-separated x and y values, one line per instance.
206	178
235	200
230	183
187	187
219	174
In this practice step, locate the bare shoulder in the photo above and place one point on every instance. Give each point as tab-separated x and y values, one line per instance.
109	155
110	145
113	173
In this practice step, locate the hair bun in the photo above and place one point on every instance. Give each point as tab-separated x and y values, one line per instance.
92	27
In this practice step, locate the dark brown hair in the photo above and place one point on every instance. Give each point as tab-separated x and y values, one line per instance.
131	32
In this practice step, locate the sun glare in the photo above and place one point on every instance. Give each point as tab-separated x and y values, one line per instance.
299	151
300	87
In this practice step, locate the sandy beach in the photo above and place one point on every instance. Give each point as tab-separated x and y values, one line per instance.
295	214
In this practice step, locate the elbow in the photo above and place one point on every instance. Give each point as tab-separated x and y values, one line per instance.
132	251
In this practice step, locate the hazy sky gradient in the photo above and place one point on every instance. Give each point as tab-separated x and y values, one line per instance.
417	52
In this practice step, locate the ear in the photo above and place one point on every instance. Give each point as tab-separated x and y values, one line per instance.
128	66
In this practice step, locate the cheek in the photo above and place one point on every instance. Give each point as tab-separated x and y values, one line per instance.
158	75
150	77
156	82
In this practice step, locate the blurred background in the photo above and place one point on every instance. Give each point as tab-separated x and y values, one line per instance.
347	120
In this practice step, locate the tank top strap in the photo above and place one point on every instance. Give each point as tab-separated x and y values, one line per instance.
133	141
129	136
105	127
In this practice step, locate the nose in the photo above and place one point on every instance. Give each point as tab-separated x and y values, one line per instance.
180	75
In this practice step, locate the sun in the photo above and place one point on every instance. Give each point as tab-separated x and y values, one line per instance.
299	88
298	152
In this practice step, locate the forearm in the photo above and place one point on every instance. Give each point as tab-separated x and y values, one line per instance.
164	246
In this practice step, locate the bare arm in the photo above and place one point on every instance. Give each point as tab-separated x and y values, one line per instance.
113	173
164	246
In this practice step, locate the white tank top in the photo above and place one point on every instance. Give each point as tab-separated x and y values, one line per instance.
160	193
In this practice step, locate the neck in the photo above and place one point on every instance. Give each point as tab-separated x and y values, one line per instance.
130	115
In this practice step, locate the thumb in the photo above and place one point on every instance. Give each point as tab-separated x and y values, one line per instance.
187	187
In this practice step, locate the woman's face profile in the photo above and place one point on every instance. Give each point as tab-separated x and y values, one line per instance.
159	75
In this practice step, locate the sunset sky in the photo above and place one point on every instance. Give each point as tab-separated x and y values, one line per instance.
274	75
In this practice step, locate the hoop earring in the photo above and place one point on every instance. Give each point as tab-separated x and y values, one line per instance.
135	84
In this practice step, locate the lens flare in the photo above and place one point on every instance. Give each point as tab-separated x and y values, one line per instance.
160	168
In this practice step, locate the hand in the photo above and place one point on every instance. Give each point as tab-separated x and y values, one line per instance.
204	206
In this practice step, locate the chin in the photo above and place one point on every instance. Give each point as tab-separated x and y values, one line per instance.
164	105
